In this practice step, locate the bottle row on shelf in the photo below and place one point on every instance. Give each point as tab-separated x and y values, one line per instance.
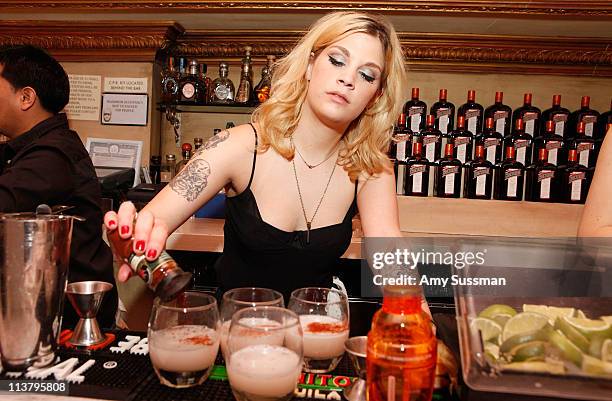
188	83
475	115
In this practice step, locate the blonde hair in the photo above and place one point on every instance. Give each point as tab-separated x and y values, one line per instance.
367	138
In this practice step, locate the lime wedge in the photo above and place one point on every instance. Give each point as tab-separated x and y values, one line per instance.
572	334
553	312
596	366
533	350
492	349
501	318
518	339
488	328
596	345
589	327
535	366
524	322
569	351
497	309
606	351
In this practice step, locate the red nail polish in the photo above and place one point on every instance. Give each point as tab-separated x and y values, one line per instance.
140	246
112	223
152	254
125	229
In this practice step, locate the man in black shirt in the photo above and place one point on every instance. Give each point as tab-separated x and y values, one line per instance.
45	162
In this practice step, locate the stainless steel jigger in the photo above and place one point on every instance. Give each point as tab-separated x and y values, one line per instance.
86	298
356	348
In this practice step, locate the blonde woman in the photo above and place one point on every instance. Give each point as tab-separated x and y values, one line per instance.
320	144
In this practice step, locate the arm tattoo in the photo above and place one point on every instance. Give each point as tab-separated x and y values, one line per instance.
213	141
192	180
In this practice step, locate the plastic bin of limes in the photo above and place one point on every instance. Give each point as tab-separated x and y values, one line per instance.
545	339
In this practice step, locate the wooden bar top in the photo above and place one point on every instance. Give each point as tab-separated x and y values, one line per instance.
424	217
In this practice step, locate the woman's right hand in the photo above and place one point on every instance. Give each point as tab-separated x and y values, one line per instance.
149	234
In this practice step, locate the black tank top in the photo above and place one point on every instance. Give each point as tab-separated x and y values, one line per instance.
257	254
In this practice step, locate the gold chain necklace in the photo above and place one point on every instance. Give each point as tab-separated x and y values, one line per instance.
297	183
311	166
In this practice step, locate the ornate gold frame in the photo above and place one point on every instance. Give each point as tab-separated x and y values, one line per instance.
141	41
584	8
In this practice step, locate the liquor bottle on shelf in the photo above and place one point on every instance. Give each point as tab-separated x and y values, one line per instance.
415	111
262	90
574	180
444	113
492	141
509	176
530	115
601	128
417	173
192	88
197	143
168	169
478	176
557	114
170	83
541	180
462	142
473	113
245	87
447	178
553	144
186	153
155	169
400	151
182	67
586	115
205	79
223	87
399	148
522	142
585	146
431	140
401	348
501	115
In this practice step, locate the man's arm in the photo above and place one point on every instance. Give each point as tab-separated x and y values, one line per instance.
41	176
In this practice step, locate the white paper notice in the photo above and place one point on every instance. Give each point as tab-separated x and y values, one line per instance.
125	109
115	153
84	103
125	85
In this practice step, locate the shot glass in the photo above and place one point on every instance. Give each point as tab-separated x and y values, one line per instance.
184	339
324	316
264	354
240	298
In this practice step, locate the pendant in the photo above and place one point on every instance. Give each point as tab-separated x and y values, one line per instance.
308	225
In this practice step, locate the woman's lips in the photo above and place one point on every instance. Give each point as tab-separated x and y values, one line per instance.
338	98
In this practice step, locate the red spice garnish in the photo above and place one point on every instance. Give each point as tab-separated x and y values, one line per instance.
318	327
198	340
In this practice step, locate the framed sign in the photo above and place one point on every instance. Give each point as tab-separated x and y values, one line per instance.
106	152
125	109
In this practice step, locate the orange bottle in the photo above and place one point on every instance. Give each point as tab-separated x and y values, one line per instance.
401	356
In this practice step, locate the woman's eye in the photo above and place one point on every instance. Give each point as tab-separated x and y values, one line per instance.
335	62
367	77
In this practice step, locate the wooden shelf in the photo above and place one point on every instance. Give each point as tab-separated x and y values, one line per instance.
182	108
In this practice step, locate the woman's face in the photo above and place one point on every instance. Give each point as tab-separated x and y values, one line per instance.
344	78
